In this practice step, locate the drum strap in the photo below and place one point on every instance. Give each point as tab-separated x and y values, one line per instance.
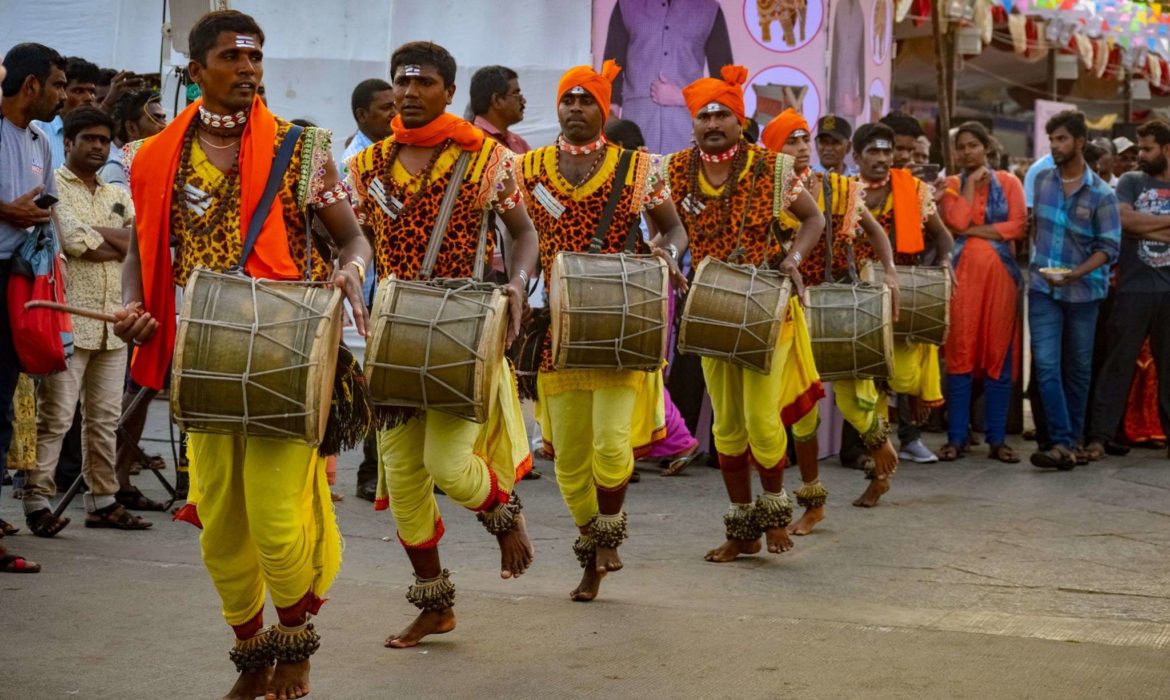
444	216
829	237
275	176
615	194
737	253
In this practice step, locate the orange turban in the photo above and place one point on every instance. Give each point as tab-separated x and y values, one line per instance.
600	85
727	92
782	126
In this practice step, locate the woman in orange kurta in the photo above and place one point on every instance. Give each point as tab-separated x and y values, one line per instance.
985	211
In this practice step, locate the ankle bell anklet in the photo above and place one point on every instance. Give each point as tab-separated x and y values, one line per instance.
254	653
501	519
772	510
585	549
433	594
812	494
740	523
609	531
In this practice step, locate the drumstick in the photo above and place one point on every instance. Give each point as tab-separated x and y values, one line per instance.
76	310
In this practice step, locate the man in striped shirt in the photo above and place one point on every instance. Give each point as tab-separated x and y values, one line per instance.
1078	235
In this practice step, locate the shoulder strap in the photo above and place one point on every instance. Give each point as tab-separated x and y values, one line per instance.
827	187
615	194
275	175
439	231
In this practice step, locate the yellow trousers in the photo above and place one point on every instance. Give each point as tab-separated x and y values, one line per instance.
859	403
476	465
268	521
750	407
917	373
591	434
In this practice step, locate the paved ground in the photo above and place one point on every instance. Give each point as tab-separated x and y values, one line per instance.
972	579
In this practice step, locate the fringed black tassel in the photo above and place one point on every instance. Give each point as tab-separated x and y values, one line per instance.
351	416
387	417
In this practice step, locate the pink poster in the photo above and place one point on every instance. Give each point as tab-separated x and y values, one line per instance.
665	44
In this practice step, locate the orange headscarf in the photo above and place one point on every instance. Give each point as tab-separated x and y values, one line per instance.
600	85
907	212
445	126
727	92
782	126
151	185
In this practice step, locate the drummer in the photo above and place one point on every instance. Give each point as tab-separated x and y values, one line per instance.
586	414
399	184
857	399
263	503
904	206
729	193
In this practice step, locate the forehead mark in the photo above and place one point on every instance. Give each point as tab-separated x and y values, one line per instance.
246	41
412	70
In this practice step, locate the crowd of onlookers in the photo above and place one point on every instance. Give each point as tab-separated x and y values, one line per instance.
1083	243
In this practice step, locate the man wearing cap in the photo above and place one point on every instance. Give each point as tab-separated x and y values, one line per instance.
839	198
904	207
832	143
586	415
1127	156
729	194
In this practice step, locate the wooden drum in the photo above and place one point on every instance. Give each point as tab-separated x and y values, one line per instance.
437	345
734	313
255	357
924	302
850	328
609	311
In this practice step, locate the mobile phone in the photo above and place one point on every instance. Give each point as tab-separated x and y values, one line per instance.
45	201
927	172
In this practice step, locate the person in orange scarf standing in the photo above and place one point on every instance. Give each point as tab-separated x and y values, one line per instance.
399	184
841	200
724	182
592	419
268	523
904	206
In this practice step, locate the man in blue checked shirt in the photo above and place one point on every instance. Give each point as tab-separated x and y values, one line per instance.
1078	235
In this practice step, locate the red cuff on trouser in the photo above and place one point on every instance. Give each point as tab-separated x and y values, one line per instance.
729	463
296	614
250	628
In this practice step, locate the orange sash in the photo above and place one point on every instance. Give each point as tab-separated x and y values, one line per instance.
445	126
907	212
151	184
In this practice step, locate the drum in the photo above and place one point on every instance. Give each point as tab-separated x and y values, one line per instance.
734	312
924	302
255	357
609	311
436	345
850	329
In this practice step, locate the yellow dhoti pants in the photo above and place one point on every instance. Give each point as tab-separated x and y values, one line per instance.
917	373
268	521
591	419
476	465
750	408
859	403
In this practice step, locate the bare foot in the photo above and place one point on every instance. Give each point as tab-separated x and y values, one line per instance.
778	540
516	551
590	582
885	459
807	522
731	549
427	622
289	681
250	685
608	560
869	499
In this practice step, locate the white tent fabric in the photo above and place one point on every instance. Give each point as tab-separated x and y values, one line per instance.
315	53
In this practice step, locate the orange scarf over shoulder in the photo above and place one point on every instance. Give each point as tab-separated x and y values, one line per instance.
907	212
445	126
151	185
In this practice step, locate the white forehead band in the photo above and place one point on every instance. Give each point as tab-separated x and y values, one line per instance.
412	69
245	41
881	143
798	133
578	90
713	107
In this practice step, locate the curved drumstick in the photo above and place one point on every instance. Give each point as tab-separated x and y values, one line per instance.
76	310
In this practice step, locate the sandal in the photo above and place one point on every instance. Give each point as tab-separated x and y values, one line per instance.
12	564
1003	453
675	466
950	452
43	523
1095	451
7	528
1081	457
133	499
117	517
1056	458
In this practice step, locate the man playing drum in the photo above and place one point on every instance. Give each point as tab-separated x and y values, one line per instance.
841	200
399	185
267	518
586	414
904	206
730	193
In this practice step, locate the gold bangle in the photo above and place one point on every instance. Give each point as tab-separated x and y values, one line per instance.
361	269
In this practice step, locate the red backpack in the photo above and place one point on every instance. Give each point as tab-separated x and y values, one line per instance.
43	338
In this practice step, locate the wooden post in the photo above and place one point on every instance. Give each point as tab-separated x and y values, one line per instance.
1051	62
943	49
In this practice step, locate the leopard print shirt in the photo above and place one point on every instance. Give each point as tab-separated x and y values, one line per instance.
847	204
776	186
400	242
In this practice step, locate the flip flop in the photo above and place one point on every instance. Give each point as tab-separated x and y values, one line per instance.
12	564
